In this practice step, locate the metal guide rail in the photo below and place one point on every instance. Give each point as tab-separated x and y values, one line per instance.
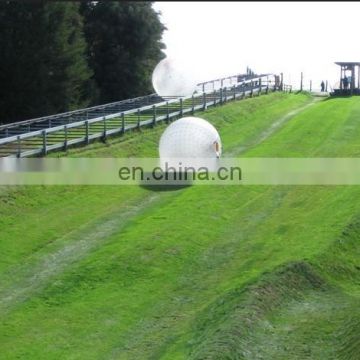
58	132
26	126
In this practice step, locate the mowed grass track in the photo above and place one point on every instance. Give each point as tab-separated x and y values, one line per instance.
205	272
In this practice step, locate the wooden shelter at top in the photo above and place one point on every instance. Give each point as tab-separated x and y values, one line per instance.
349	78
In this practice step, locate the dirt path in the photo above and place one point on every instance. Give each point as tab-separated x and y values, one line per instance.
272	129
24	280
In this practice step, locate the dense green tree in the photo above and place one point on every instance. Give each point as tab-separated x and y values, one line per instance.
43	67
124	40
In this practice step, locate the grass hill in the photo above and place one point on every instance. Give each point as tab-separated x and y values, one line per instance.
204	272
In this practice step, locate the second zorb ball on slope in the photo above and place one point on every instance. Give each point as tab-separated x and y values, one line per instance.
172	78
189	138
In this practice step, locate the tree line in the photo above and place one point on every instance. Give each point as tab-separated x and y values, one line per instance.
60	56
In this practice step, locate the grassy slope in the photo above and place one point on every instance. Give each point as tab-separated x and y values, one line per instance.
58	206
198	272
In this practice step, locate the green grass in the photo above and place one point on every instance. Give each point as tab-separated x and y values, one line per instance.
206	272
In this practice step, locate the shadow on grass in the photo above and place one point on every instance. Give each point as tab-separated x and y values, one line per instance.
343	96
163	188
169	182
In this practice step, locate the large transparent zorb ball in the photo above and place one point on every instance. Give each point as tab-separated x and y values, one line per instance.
189	141
173	78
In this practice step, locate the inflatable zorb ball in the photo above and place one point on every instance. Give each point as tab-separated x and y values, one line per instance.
190	141
172	78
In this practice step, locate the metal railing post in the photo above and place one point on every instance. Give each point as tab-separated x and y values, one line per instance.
87	132
204	101
154	115
234	95
44	149
18	154
122	123
65	137
104	132
167	112
252	88
260	86
181	107
138	118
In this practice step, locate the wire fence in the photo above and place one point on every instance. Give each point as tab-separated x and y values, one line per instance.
58	132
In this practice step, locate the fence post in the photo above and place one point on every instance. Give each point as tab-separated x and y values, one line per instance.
87	132
44	142
192	105
252	88
154	116
181	107
122	123
167	112
65	137
301	82
221	95
214	97
18	154
260	86
310	85
138	118
234	95
104	134
326	86
204	101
